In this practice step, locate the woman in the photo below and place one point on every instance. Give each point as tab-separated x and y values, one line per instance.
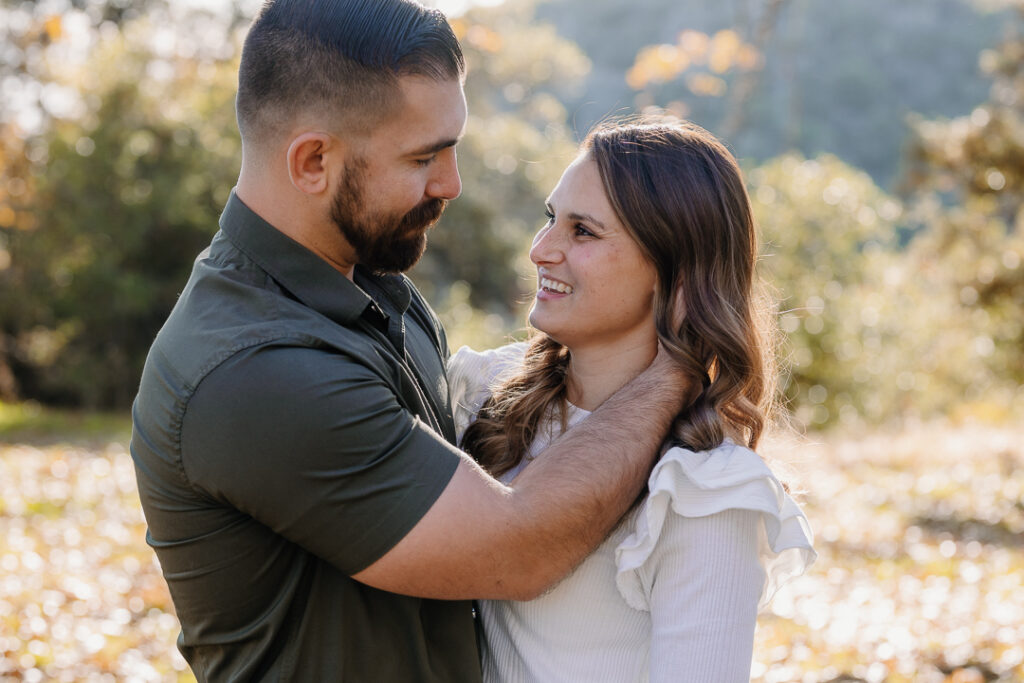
649	240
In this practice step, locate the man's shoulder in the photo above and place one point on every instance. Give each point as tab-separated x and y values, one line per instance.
229	309
221	311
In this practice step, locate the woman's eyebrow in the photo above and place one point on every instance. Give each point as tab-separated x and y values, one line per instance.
587	218
575	216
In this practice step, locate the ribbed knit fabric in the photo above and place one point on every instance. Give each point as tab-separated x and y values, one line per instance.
672	594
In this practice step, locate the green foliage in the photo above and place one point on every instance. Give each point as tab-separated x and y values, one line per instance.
473	327
966	178
873	332
31	422
124	197
828	235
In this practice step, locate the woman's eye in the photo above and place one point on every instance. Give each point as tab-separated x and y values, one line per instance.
582	231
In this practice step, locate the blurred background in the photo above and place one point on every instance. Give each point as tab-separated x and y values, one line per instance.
883	145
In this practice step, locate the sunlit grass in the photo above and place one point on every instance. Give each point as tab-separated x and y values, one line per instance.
920	575
33	423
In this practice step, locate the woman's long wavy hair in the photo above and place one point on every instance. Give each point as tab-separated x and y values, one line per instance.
681	196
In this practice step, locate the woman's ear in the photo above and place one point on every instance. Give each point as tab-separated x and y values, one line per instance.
307	161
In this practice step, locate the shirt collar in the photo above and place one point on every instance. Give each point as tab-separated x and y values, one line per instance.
305	275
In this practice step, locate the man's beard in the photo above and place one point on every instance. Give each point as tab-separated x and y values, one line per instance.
384	242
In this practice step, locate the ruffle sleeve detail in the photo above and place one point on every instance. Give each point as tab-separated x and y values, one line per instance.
473	375
700	484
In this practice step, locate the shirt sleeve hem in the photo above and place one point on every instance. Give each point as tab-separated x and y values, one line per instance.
437	472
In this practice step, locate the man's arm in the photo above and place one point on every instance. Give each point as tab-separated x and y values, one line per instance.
482	539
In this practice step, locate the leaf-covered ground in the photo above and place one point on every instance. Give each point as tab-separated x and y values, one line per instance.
920	575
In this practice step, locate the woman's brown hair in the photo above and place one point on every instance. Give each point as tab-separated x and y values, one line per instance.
681	196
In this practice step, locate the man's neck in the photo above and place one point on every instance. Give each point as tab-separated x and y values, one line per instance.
298	217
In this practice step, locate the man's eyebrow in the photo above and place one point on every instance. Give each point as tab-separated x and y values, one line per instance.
434	148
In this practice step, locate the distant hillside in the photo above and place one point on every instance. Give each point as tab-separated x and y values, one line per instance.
841	75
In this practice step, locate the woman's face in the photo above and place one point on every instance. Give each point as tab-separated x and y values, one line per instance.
595	287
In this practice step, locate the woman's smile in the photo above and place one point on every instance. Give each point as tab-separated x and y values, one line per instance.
589	264
551	286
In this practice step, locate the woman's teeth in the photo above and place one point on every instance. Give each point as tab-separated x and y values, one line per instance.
553	286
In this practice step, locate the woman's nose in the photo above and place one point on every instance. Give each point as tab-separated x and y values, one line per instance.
546	246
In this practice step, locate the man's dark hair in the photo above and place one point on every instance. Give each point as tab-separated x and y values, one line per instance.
340	57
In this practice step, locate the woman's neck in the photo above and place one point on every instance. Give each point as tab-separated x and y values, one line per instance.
595	373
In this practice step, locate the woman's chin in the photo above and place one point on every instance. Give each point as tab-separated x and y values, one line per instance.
534	319
538	323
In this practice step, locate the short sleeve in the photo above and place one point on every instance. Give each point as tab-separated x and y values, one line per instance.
473	375
315	446
699	484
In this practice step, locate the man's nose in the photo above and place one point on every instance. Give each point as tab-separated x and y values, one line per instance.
446	183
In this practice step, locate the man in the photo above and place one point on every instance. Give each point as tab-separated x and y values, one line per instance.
292	432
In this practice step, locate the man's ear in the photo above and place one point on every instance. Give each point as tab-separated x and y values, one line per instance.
307	161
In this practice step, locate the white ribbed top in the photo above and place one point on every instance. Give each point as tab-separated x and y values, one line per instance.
673	593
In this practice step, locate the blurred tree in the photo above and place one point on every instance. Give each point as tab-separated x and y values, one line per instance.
709	60
966	177
110	206
34	36
116	11
833	77
867	337
826	230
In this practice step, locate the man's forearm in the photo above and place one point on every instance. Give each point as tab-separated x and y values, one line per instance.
569	500
483	539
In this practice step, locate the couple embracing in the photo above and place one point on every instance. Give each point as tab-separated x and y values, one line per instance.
333	496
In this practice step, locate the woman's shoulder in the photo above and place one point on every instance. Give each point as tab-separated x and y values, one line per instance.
502	357
472	376
704	482
470	371
694	484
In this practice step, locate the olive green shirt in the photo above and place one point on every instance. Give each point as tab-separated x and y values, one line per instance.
291	427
